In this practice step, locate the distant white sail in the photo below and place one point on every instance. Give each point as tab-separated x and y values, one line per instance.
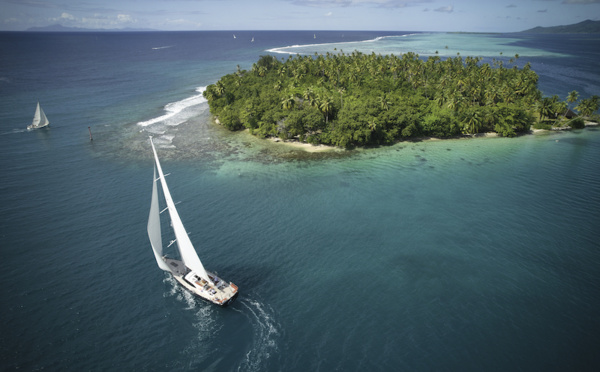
39	118
186	249
154	230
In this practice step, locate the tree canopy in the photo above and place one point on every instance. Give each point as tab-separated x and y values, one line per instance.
359	99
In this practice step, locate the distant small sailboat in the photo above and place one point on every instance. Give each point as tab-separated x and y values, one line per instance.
315	36
252	39
39	119
189	272
234	36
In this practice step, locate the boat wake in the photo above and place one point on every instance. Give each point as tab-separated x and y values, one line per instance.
261	347
14	131
266	333
162	47
205	321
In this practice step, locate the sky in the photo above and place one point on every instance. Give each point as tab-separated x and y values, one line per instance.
372	15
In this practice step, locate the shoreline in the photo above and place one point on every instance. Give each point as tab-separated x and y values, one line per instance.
310	148
323	148
304	146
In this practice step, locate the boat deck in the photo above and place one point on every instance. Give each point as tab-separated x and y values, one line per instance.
219	292
177	267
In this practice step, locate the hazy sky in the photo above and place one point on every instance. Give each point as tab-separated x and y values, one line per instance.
384	15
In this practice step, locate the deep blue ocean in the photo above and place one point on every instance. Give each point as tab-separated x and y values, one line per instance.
451	255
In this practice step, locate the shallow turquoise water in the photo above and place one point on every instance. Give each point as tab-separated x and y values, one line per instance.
427	44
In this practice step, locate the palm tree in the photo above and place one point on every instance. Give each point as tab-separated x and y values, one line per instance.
341	91
473	123
384	103
544	107
309	96
281	71
326	107
262	71
571	98
289	102
219	88
373	124
588	106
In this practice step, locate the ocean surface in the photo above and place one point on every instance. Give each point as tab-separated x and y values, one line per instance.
451	255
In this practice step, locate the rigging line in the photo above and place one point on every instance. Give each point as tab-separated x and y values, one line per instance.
168	208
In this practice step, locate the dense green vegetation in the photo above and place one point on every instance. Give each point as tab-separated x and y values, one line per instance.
358	99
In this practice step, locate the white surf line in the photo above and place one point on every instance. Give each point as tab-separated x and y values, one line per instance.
281	51
177	107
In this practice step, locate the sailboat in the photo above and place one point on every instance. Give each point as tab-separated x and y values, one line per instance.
39	119
188	271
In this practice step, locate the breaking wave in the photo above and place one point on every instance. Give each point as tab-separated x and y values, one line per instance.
176	113
293	49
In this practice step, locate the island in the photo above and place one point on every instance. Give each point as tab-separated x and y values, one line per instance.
357	100
585	27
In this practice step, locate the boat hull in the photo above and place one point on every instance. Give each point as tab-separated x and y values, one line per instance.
31	127
202	295
222	295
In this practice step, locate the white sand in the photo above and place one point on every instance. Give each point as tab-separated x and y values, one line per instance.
303	145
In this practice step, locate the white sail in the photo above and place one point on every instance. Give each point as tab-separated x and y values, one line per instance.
186	249
39	118
154	231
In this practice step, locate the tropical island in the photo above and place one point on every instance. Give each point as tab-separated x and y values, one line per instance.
349	100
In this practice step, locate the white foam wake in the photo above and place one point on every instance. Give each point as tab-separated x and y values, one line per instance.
205	321
266	332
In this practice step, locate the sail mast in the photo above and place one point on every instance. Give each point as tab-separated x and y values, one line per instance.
186	249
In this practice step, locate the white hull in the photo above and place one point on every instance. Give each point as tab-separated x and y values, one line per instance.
222	293
32	127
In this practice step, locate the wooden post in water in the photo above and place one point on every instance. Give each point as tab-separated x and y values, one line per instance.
90	130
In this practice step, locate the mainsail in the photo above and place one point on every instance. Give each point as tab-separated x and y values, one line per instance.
39	118
154	231
186	249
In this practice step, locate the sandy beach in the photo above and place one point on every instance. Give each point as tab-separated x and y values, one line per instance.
303	145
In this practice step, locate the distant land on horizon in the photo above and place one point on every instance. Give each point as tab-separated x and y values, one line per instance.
585	27
61	28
